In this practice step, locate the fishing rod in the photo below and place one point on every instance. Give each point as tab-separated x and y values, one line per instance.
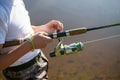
79	31
75	47
66	33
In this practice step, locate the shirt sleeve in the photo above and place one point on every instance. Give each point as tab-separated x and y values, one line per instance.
3	25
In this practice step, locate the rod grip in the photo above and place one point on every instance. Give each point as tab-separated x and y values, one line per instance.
11	43
68	32
78	31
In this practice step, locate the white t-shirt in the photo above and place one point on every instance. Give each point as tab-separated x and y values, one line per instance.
15	24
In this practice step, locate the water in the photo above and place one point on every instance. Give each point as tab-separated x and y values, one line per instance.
99	60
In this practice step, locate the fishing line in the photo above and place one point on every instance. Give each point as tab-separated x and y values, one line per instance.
96	40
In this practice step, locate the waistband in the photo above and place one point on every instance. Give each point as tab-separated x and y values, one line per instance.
24	65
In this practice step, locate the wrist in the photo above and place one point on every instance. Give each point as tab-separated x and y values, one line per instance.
30	40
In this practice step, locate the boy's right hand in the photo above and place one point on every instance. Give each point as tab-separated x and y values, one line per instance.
41	40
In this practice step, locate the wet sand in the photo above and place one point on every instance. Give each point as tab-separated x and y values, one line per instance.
99	60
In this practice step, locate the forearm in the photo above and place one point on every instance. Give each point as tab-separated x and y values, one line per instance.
15	54
35	28
38	29
49	27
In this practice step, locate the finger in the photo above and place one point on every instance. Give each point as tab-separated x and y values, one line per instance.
43	33
56	24
49	39
60	26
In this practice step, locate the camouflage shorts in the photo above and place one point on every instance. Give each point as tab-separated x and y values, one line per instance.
36	69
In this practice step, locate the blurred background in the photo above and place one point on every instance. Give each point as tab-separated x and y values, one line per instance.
99	60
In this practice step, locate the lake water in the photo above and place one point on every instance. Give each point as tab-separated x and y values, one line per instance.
99	60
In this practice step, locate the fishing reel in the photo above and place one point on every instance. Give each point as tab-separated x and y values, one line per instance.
66	49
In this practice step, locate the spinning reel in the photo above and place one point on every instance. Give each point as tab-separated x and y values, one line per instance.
62	49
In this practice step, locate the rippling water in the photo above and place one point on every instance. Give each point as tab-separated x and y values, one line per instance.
99	60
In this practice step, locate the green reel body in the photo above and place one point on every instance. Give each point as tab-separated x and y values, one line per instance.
68	49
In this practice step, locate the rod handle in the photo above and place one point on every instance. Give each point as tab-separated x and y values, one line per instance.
78	31
70	32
